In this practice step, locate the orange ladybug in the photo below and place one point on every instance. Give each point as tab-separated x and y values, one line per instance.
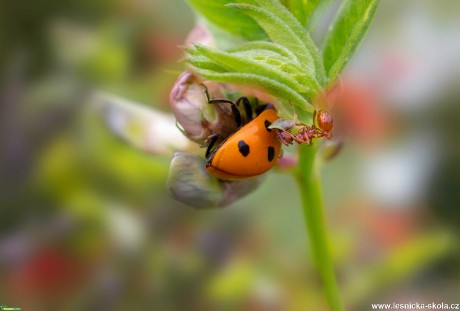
249	152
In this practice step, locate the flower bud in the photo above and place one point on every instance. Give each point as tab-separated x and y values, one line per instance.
189	104
190	183
198	118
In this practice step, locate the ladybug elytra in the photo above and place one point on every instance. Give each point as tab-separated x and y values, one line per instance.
249	152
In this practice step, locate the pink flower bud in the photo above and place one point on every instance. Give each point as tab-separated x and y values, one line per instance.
195	115
190	106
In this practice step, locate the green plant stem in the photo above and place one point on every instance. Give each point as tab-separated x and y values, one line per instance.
311	192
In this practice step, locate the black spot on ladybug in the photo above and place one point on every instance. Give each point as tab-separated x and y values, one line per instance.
243	148
267	124
271	153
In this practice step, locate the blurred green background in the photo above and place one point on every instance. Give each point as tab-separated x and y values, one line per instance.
86	222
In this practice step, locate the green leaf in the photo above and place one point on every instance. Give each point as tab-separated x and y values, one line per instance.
306	84
281	33
307	12
217	13
274	60
202	62
205	63
269	85
298	9
269	46
289	19
263	63
349	28
281	12
315	10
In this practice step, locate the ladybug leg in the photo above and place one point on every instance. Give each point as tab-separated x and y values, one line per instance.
235	110
236	114
212	141
247	107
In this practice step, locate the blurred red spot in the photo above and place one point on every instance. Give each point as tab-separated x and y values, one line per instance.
48	273
391	228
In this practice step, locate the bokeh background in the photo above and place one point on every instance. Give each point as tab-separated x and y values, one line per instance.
87	135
